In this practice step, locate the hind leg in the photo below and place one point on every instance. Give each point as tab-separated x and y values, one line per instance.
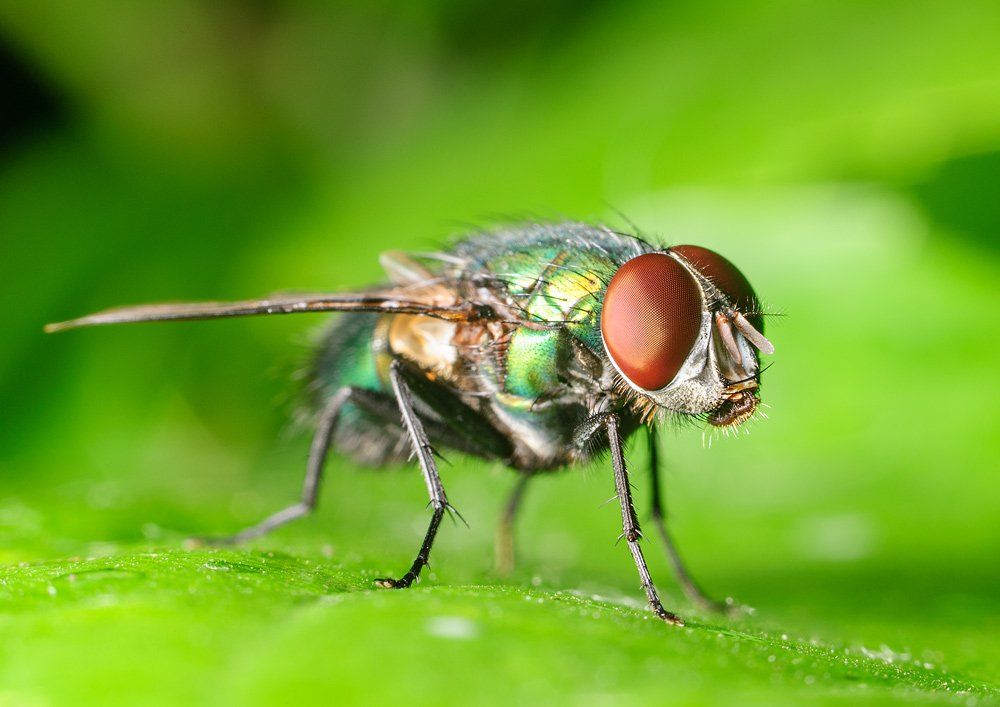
310	485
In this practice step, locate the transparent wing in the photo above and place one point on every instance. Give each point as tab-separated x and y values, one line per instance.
390	301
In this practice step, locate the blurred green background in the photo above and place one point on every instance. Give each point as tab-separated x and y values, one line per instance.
846	155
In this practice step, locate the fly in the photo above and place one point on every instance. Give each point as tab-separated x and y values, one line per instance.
537	346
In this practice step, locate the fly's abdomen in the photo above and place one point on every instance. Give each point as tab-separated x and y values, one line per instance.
348	357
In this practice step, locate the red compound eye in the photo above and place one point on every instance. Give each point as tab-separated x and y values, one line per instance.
727	277
651	319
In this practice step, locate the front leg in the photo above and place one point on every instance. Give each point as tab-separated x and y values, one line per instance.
684	578
630	523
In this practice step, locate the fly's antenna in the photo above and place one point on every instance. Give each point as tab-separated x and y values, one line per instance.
752	335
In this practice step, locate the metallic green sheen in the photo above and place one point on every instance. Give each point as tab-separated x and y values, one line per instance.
533	362
555	283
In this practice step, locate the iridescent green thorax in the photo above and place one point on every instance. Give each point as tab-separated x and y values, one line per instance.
557	275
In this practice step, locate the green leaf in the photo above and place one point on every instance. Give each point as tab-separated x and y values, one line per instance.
259	628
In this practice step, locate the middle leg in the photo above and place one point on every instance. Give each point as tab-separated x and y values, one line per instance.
310	485
425	457
690	588
504	541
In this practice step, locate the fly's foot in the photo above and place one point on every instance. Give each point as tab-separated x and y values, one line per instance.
668	617
728	607
719	607
389	583
201	541
731	608
275	520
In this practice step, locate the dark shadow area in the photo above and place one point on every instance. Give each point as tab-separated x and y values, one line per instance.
29	104
962	197
487	30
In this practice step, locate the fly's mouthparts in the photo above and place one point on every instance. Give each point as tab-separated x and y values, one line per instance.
736	409
738	388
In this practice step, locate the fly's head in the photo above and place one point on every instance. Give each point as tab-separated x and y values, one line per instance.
683	329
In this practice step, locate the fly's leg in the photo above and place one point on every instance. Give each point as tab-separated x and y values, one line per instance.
504	541
310	485
691	589
425	456
463	427
469	430
630	523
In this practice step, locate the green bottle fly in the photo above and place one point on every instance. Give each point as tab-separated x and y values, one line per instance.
537	346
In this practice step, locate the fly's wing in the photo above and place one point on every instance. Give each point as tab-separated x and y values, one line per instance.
392	301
